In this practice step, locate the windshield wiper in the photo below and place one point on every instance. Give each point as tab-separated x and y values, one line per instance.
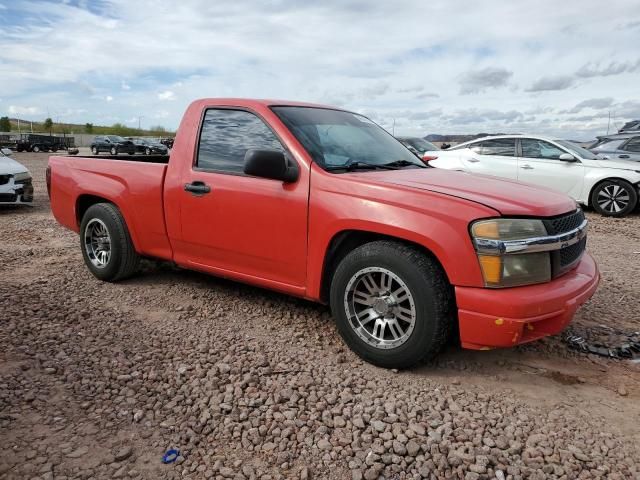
350	166
403	163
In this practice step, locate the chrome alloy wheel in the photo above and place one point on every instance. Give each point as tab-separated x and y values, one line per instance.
97	243
380	307
613	198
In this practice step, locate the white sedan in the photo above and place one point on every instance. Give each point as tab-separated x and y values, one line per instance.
15	181
609	186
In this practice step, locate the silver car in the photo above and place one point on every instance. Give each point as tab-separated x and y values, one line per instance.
15	181
625	146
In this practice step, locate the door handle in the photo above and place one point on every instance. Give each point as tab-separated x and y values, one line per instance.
526	166
473	160
623	156
197	188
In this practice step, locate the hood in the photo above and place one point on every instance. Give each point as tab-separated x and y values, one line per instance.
505	196
615	163
10	166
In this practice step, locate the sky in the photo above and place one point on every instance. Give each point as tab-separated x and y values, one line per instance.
416	67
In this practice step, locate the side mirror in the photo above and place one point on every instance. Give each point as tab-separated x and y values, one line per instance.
567	157
271	164
106	140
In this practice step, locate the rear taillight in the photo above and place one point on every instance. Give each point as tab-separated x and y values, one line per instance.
48	177
427	158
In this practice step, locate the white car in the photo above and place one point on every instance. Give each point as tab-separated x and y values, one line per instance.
15	181
609	186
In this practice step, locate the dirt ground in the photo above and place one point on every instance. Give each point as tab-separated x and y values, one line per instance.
98	380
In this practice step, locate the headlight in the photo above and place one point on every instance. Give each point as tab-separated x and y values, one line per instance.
21	177
509	269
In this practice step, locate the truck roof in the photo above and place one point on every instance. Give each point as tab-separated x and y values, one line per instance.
255	102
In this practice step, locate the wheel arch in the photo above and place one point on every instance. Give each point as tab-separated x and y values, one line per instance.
86	200
345	241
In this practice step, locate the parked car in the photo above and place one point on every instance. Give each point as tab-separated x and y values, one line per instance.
610	186
632	126
624	146
36	142
419	146
149	146
324	204
16	187
113	144
167	142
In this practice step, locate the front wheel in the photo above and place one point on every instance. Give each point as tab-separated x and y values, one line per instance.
147	151
614	198
114	151
94	150
392	303
106	245
35	149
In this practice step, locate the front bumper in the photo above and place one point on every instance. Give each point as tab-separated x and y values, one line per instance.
490	318
12	193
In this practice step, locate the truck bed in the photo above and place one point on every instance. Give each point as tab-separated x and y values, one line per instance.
134	183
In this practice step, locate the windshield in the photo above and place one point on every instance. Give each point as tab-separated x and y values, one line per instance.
420	144
116	138
335	138
577	150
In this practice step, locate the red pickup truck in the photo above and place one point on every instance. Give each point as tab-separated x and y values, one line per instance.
324	204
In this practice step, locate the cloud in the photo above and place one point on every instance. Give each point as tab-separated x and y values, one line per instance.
594	103
166	95
614	68
125	86
19	110
545	84
478	81
109	98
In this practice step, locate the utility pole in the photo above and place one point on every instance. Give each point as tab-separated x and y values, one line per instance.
609	122
140	117
393	129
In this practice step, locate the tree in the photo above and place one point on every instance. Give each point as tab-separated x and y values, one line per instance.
48	124
158	128
5	124
88	127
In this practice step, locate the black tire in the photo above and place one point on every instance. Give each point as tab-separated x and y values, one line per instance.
114	150
147	151
614	198
124	259
431	292
94	150
35	149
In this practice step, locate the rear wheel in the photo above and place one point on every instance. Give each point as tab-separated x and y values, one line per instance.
147	151
94	150
614	198
35	149
106	245
392	304
114	151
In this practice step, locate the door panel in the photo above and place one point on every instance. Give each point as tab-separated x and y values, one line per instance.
539	165
245	226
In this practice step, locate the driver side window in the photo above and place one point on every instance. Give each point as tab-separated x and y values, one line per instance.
532	148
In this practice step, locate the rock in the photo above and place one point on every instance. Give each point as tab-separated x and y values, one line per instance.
79	452
123	453
412	448
399	448
622	391
305	473
324	444
378	426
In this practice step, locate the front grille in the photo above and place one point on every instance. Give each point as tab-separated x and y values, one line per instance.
8	197
572	253
566	258
564	223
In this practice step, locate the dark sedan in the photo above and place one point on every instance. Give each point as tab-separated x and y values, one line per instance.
149	147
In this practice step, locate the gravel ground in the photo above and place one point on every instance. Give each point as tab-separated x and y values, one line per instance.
97	380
